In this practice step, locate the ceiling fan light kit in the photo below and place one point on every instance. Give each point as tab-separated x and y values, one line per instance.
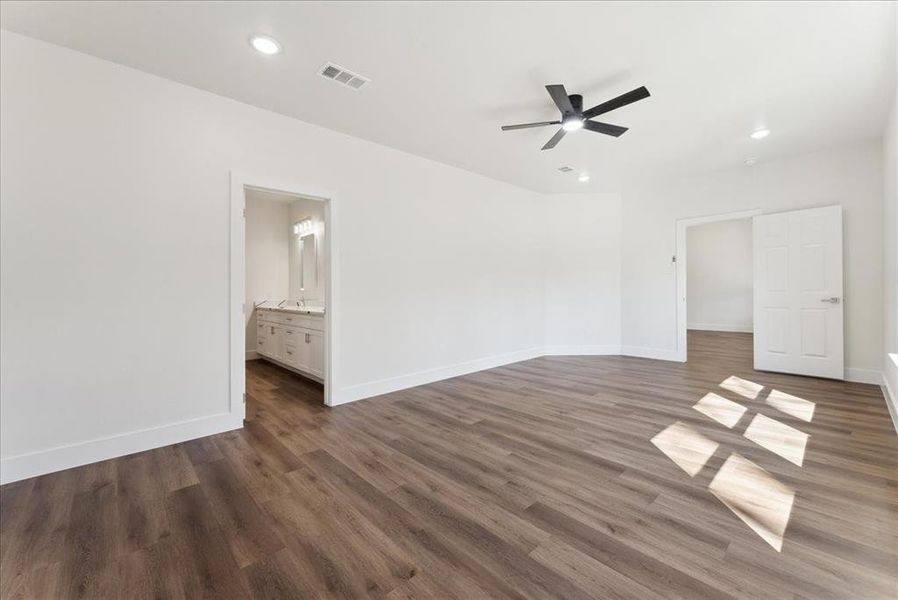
573	117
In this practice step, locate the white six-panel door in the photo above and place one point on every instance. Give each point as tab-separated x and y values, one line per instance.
798	299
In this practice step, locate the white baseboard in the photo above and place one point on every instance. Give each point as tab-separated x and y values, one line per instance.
581	350
24	466
890	387
719	327
863	375
394	384
656	353
891	401
64	457
252	355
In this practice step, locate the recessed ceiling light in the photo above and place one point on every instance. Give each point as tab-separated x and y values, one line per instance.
572	124
760	134
583	178
265	44
750	161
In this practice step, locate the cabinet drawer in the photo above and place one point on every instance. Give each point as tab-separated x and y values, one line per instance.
265	315
280	318
291	355
289	319
316	323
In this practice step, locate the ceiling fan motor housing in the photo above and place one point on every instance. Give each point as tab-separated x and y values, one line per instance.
577	103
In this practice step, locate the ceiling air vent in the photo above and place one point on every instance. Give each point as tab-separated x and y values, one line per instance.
565	169
341	75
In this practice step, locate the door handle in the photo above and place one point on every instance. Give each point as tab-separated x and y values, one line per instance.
833	300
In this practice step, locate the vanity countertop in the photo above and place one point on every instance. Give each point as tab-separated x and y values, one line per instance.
303	310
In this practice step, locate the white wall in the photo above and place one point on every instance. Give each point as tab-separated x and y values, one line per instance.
114	312
267	257
850	176
580	239
719	276
890	256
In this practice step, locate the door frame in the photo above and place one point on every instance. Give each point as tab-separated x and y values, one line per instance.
237	351
681	261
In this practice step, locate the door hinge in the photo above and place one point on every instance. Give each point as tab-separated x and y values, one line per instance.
244	397
673	258
244	213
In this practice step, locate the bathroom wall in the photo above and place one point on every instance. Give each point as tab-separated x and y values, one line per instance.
267	255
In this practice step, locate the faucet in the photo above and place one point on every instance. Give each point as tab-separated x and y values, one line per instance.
301	301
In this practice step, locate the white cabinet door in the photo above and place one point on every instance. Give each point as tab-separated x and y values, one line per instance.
262	346
292	337
276	341
316	353
302	350
291	355
798	292
262	339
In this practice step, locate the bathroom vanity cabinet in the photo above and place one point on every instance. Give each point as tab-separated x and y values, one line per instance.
293	339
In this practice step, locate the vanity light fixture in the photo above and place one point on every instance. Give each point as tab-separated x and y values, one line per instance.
303	227
265	45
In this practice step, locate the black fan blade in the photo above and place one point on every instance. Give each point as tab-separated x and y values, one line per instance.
528	125
606	128
622	100
559	96
555	139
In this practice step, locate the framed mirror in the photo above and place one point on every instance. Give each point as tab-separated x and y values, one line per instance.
308	251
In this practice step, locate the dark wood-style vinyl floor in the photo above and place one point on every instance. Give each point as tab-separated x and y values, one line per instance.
564	477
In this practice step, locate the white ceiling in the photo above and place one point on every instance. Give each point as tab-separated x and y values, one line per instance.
445	76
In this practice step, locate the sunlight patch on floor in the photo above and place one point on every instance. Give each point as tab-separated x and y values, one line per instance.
689	449
726	412
779	438
791	405
756	497
743	387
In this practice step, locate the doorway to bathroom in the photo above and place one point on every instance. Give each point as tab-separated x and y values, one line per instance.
714	273
282	300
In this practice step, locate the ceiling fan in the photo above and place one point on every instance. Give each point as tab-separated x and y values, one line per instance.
573	117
